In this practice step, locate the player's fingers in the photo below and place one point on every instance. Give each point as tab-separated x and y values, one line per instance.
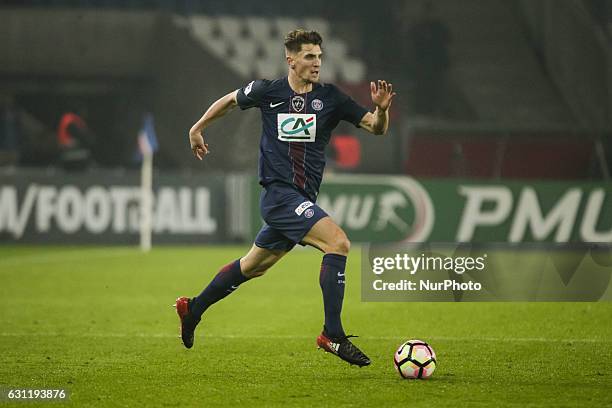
372	87
390	88
198	151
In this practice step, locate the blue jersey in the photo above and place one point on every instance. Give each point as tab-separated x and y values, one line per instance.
296	128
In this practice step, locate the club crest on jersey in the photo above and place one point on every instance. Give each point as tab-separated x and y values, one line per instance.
298	103
297	127
317	104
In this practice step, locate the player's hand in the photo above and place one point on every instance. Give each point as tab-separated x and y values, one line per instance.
382	94
198	147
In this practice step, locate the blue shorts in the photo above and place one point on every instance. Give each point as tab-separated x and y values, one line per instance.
288	216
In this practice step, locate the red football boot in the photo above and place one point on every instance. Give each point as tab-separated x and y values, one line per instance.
188	322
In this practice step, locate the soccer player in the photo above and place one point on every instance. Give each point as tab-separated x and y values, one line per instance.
298	114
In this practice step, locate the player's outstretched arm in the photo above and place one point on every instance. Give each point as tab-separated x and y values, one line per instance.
377	122
216	110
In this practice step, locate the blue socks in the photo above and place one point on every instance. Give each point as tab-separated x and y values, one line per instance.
331	280
227	280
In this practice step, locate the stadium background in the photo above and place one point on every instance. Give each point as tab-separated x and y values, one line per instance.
488	92
500	132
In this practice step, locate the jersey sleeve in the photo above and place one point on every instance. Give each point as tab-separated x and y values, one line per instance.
251	95
349	110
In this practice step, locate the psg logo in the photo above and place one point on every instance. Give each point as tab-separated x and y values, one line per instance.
298	103
309	213
317	104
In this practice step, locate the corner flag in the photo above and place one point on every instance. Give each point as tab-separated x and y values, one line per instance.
147	145
147	139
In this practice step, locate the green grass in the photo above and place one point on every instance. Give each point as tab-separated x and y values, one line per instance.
99	322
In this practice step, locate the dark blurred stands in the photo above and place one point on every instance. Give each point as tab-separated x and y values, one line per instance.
525	89
601	12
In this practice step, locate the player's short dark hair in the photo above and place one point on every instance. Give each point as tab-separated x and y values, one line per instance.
294	39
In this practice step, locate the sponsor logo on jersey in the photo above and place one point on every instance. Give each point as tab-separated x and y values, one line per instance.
298	103
300	208
297	127
274	105
317	104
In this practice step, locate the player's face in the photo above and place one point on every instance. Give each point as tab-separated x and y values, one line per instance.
307	63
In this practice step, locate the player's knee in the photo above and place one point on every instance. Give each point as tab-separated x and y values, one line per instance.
341	245
345	246
254	271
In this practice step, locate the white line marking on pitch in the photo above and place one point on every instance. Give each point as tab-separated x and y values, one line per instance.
291	337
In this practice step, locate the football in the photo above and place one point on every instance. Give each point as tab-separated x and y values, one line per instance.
415	359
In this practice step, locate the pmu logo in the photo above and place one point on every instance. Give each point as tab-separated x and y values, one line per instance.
382	209
297	127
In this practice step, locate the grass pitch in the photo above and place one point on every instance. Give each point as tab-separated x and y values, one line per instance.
99	322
